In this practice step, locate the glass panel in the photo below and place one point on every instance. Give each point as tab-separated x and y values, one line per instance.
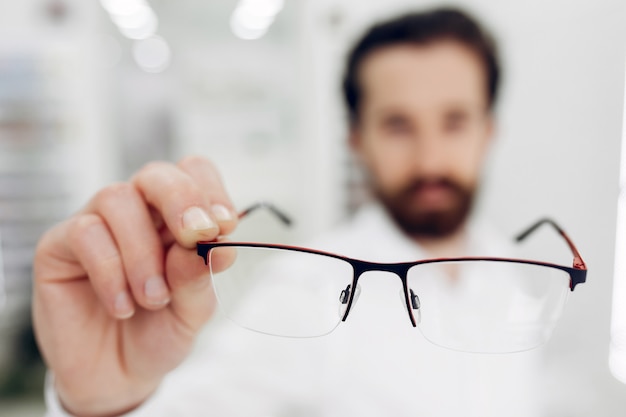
283	292
486	306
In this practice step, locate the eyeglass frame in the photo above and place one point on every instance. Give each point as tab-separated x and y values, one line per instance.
577	272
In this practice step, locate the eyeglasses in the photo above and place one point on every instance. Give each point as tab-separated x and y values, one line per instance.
470	304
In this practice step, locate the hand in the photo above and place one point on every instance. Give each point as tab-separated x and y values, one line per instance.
119	291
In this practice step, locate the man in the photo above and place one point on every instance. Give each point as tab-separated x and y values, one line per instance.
121	295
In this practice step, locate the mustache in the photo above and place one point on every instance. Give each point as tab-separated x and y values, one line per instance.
419	184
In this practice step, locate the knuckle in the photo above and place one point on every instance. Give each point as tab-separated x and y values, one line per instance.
114	192
80	230
48	241
75	228
195	160
152	169
78	225
155	166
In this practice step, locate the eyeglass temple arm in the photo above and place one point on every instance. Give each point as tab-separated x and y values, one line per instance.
203	250
578	261
286	220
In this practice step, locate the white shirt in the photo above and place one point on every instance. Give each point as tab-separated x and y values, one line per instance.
374	364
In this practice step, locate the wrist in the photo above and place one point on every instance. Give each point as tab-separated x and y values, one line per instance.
104	403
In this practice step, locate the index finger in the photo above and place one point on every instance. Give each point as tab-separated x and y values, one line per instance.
208	178
184	206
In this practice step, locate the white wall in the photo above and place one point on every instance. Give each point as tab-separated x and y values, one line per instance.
55	150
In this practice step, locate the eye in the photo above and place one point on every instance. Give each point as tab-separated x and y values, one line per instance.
396	124
455	121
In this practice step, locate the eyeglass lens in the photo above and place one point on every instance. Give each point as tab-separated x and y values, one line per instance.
282	292
488	306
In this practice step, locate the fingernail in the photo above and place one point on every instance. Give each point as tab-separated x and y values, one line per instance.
221	213
123	306
156	291
197	219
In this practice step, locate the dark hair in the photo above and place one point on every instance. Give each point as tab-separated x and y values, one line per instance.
421	28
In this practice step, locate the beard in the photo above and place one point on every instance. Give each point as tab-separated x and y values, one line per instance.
417	219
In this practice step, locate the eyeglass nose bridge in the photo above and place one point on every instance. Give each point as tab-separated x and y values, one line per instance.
400	270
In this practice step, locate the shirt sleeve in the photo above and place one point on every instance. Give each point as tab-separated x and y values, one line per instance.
53	405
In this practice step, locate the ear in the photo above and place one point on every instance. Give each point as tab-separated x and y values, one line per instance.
355	140
490	129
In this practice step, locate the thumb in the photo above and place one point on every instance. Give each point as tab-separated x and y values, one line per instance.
193	299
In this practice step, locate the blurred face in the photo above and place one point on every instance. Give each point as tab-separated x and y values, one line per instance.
422	133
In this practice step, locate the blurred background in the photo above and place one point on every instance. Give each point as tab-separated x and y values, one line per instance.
91	90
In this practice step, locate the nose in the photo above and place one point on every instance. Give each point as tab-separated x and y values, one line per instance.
429	156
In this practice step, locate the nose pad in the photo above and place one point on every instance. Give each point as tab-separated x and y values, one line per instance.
344	297
415	303
415	300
